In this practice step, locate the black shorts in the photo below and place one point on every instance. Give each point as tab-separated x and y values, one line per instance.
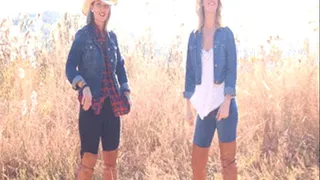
93	127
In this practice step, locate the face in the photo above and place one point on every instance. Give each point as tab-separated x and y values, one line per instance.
210	6
100	11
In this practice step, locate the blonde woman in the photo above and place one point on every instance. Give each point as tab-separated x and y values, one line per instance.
210	87
96	69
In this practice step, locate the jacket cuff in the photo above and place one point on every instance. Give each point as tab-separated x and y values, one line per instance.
230	91
187	94
76	80
124	87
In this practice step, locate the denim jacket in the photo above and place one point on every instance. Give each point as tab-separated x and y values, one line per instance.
225	61
86	61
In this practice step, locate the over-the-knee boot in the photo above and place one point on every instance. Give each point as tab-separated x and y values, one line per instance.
228	160
86	168
110	165
199	162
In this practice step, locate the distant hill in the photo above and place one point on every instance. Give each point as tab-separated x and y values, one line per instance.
37	22
48	17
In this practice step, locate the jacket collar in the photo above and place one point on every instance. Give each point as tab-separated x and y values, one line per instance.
91	31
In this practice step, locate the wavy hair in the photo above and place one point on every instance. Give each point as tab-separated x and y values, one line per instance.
201	14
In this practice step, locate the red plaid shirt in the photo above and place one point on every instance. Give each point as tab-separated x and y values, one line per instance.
120	104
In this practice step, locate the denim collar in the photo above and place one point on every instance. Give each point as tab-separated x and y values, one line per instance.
91	31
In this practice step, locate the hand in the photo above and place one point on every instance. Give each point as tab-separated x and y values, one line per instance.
223	111
190	117
190	114
86	99
127	94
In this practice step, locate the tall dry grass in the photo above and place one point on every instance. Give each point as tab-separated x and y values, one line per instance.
278	135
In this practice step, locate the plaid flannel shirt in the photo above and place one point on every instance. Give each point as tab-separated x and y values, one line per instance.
120	104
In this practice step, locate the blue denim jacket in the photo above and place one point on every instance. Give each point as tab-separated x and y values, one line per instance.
225	61
86	61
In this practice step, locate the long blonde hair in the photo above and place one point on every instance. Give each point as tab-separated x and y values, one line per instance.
201	15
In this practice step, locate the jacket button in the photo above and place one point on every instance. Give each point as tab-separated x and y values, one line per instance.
217	82
215	65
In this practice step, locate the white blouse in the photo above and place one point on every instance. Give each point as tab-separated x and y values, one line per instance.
207	96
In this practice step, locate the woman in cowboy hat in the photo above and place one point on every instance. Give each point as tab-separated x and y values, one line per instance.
210	87
95	68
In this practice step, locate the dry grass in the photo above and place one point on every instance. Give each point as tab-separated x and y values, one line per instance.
278	135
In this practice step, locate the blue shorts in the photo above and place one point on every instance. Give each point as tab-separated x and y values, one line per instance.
227	128
93	128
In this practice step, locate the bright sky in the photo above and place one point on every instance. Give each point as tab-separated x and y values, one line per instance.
14	7
252	20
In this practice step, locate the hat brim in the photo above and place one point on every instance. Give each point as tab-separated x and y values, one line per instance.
110	2
87	4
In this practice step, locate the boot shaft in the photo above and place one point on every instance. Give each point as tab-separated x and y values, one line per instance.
228	160
86	167
110	165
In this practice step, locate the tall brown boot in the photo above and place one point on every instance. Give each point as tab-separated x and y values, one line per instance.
199	162
86	168
228	160
110	165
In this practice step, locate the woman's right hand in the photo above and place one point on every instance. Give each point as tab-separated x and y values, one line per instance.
190	114
86	98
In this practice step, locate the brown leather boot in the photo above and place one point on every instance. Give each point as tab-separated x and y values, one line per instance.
199	162
86	168
110	164
228	160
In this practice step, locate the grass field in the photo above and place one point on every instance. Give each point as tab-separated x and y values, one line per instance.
278	134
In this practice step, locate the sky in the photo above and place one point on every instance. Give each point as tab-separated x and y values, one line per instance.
14	7
252	20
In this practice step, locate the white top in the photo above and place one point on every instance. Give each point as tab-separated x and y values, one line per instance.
207	96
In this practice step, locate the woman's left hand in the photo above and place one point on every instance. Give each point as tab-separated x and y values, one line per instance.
127	94
223	111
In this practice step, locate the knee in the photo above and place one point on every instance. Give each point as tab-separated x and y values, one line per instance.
228	154
110	159
228	163
89	160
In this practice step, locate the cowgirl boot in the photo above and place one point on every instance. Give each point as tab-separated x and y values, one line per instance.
86	168
228	160
199	162
110	164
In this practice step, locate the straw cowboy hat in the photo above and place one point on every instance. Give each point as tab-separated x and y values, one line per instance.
87	4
